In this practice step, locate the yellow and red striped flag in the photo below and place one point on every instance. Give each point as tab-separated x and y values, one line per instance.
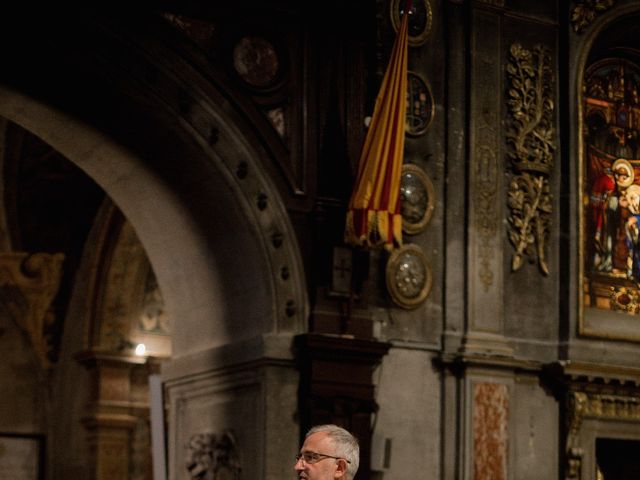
373	217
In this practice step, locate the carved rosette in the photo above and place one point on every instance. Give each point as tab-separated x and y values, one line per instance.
584	12
530	135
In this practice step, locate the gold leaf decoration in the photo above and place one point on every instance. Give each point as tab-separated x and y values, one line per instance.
530	134
584	12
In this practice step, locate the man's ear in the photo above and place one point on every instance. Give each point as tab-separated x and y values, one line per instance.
341	468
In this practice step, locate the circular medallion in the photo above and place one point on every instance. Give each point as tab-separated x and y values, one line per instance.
420	19
408	276
417	199
256	61
420	108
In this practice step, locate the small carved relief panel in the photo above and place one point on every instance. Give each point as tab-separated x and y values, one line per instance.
530	135
256	61
213	457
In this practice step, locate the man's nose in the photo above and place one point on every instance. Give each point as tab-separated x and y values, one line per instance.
298	465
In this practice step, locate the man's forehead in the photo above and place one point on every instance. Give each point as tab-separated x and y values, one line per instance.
317	439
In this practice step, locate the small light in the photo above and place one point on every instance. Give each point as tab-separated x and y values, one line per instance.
141	349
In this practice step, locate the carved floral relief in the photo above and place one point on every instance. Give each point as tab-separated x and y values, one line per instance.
530	134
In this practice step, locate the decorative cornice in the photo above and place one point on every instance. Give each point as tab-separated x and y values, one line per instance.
458	363
567	371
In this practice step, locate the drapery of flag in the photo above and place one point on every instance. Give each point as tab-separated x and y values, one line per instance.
373	217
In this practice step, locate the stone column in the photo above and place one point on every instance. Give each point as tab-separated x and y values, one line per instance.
109	420
485	321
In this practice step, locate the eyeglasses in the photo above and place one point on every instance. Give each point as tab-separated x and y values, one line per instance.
313	457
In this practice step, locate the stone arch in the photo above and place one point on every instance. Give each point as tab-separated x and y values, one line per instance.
169	230
167	146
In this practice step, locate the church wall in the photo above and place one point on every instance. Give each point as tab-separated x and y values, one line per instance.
499	419
68	449
534	441
255	404
406	432
469	388
531	302
24	406
211	234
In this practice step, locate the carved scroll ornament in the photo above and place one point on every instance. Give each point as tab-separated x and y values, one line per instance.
28	284
530	134
584	12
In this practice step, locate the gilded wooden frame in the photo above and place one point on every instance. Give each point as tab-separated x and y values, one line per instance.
416	38
407	286
417	204
410	128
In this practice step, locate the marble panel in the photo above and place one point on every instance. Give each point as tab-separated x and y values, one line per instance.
490	431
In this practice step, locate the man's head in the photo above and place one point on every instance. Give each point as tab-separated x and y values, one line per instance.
329	452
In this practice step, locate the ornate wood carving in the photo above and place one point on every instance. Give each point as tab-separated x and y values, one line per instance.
213	457
28	284
531	135
584	12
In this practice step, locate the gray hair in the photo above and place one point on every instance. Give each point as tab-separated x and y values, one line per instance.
345	443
